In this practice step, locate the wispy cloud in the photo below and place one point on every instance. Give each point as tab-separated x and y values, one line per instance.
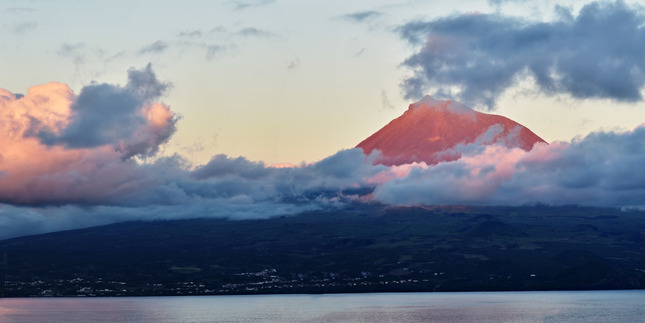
70	50
254	32
112	57
191	33
213	42
218	29
75	52
246	4
362	16
24	28
213	50
155	48
20	10
497	3
293	64
386	104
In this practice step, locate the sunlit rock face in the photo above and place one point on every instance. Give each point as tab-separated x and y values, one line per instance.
433	131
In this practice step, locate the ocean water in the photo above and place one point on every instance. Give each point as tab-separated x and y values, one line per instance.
585	306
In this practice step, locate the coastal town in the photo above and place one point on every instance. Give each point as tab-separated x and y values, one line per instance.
267	281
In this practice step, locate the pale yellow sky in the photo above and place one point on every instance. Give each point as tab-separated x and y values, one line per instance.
276	81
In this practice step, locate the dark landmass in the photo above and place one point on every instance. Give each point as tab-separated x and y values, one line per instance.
363	249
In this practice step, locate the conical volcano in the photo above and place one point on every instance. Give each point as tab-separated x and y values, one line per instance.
430	130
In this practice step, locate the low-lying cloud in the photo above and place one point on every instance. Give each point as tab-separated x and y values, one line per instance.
72	161
476	57
598	170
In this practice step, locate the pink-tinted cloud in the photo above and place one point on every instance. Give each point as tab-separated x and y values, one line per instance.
104	114
70	161
58	147
601	169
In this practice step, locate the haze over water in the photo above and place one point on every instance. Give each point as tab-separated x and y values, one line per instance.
587	306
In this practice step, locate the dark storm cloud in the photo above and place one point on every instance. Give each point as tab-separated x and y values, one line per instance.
476	57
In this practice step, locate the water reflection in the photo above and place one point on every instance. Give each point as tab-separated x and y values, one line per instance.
598	306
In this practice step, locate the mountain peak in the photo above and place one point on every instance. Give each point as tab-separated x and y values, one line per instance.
430	129
428	102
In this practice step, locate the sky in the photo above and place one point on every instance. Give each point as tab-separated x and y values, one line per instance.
116	111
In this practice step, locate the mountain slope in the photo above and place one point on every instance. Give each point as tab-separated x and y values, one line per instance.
370	248
430	130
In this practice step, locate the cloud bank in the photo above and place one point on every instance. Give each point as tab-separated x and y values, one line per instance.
596	54
598	170
75	160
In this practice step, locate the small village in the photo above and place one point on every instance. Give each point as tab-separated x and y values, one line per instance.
267	281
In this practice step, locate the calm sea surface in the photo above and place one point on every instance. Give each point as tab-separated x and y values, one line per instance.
596	306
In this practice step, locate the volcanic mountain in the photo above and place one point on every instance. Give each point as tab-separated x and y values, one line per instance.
430	130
